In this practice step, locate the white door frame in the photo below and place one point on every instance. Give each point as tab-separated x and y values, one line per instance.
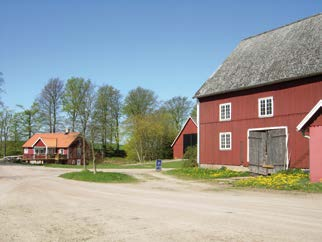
270	128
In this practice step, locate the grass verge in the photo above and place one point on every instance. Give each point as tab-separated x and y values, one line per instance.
102	177
117	165
285	180
202	173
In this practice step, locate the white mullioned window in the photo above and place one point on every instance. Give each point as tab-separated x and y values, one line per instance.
265	107
225	112
25	150
225	141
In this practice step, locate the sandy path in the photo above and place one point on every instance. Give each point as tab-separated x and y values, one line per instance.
36	205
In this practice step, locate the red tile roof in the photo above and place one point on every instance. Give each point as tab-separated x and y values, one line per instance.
59	140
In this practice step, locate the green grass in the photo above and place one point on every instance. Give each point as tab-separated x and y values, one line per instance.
285	180
101	177
122	165
202	173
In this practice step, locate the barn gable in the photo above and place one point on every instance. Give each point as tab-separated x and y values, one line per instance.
187	136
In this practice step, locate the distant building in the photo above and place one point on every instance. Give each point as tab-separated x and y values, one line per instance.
185	138
249	108
65	148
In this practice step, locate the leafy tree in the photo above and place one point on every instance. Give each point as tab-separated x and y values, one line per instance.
29	119
72	99
107	115
139	102
49	103
15	132
151	137
179	108
85	111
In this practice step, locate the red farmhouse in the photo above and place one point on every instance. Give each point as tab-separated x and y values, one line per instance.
186	137
249	108
53	147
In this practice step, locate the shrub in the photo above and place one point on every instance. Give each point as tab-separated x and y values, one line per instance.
191	157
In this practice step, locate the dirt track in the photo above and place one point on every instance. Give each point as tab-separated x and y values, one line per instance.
36	205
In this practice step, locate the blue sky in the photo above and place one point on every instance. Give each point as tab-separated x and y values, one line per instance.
170	47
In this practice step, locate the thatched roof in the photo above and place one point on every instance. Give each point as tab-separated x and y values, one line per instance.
286	53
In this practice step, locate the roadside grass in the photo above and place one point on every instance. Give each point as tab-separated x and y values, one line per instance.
206	174
101	177
294	179
122	165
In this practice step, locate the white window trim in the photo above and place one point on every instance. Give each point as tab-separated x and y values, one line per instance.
25	150
231	144
259	107
224	119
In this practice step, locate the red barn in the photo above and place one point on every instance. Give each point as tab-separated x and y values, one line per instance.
249	108
54	147
185	138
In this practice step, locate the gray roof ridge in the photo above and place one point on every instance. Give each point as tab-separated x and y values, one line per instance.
283	26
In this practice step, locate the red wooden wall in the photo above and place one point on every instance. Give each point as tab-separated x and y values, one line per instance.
292	101
315	153
189	128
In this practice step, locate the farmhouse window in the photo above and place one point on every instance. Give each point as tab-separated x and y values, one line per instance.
25	150
265	107
225	141
225	111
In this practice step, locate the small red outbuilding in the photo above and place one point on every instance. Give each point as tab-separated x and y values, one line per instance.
185	138
311	127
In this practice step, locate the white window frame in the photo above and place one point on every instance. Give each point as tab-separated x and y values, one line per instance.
265	115
225	139
224	118
25	150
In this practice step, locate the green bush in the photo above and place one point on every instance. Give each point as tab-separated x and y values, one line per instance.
190	157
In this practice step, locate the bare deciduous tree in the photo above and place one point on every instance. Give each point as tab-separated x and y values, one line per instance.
5	122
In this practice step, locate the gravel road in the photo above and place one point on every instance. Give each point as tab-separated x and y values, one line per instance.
37	205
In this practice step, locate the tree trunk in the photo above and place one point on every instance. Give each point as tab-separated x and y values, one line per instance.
94	158
54	119
29	125
5	146
84	149
117	136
